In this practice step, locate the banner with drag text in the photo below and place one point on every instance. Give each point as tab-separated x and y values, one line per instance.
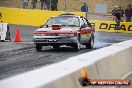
110	26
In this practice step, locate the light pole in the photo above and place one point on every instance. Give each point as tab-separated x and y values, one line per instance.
87	9
65	5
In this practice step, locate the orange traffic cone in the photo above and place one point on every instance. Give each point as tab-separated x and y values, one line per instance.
18	37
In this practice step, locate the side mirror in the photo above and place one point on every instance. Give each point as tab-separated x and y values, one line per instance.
82	26
47	26
41	26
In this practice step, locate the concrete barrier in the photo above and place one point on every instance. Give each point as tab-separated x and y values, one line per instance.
112	62
30	17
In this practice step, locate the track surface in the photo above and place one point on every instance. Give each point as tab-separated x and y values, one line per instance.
16	58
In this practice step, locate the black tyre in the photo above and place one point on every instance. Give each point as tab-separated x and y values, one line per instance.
56	46
90	44
77	44
38	47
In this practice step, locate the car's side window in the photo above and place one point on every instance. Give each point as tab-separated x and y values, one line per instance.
49	22
82	22
86	24
89	25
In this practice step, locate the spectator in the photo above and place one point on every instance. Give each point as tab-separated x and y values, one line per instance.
131	13
25	4
113	12
43	4
121	11
54	5
84	7
128	13
34	3
48	4
117	19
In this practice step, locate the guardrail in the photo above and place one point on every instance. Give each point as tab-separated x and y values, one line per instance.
112	62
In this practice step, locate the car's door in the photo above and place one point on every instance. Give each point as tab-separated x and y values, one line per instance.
87	30
83	30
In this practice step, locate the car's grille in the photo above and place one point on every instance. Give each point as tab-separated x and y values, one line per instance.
46	38
52	34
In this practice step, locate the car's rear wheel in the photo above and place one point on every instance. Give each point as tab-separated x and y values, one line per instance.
90	44
38	47
77	44
56	46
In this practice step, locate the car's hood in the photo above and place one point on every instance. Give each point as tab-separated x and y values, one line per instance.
63	29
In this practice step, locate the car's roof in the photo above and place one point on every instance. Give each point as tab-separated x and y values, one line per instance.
67	15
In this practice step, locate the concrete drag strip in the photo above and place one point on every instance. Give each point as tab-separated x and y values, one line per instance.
114	63
10	46
17	58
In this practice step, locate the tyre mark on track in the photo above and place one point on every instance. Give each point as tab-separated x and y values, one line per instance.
10	54
19	61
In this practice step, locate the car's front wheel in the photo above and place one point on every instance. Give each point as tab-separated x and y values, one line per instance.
38	47
90	44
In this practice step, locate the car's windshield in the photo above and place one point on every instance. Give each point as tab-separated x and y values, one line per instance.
65	21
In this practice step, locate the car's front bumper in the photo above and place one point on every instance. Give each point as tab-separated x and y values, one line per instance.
50	40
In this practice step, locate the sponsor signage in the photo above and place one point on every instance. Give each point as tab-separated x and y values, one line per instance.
85	81
110	26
